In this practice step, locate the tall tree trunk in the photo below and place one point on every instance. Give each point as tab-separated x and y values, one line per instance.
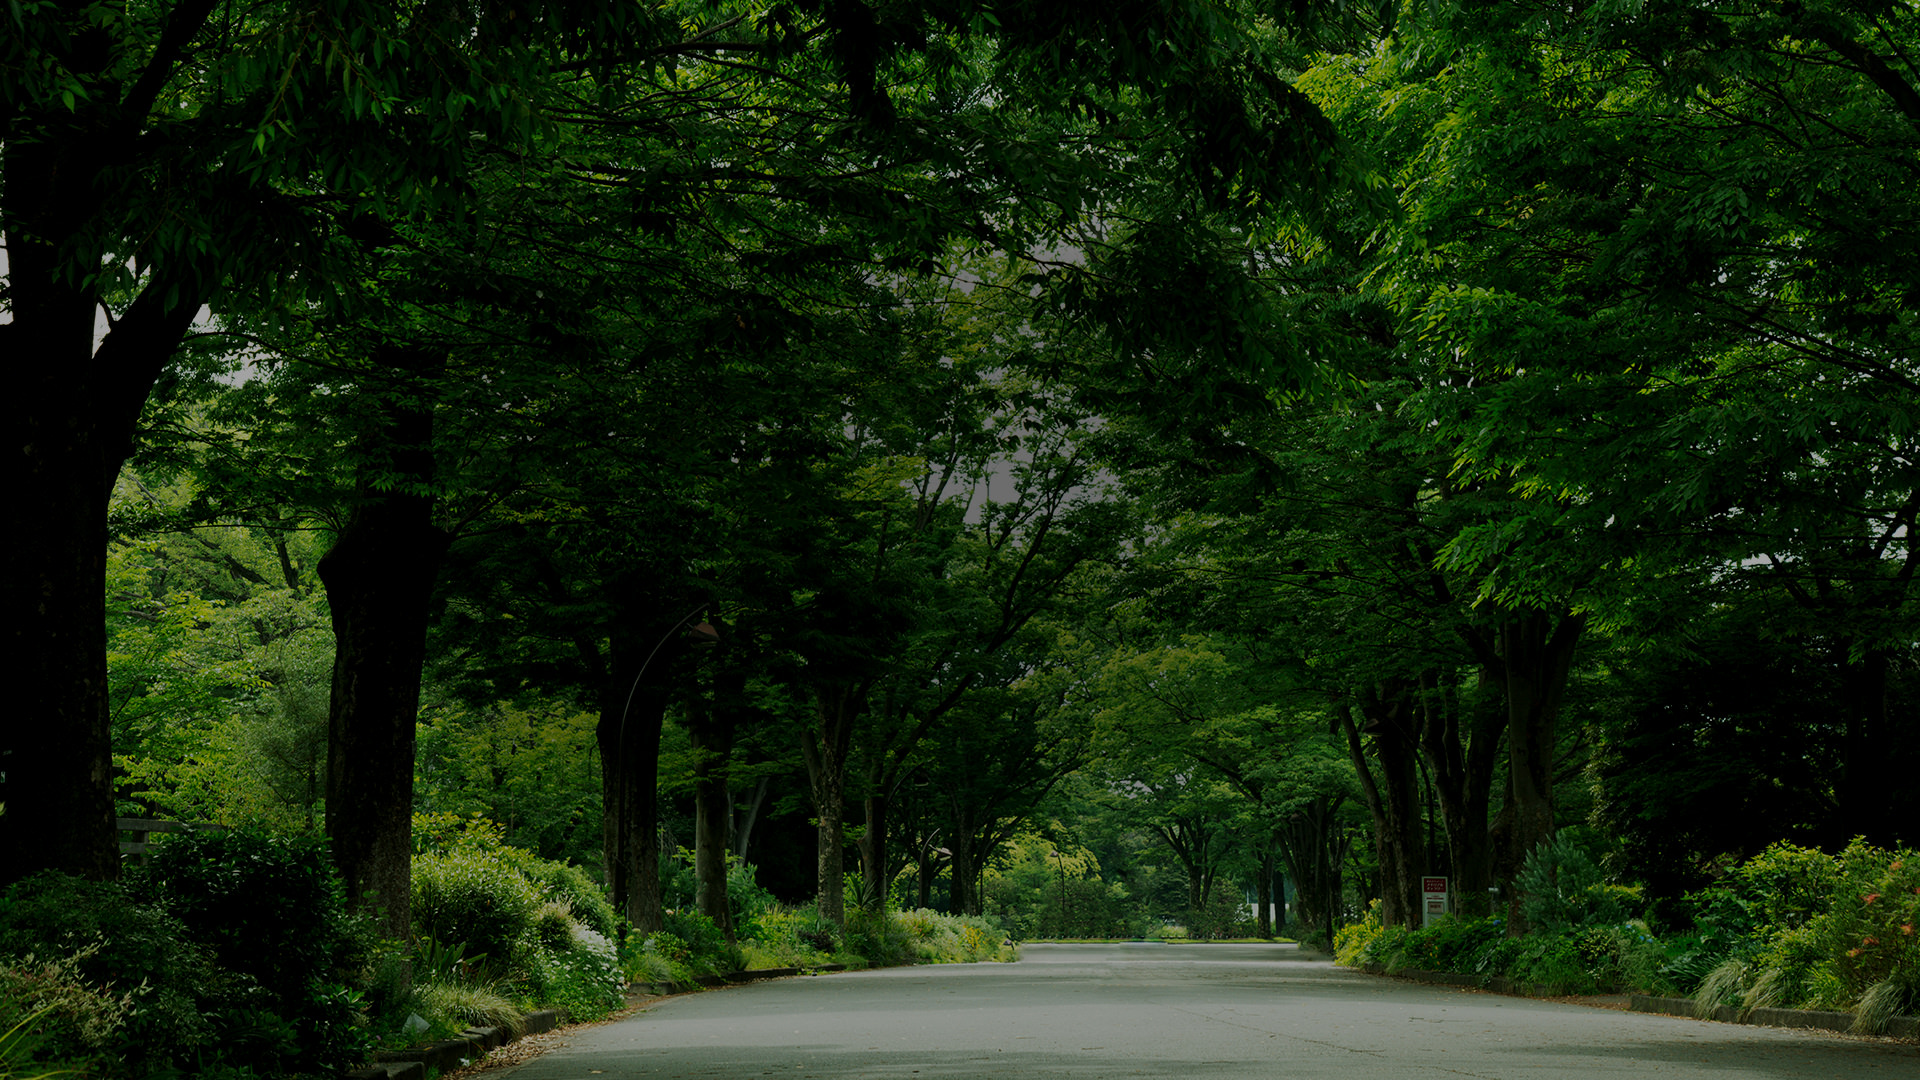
1392	800
747	816
1464	765
1263	894
1865	789
960	868
824	747
1537	651
711	729
629	741
70	413
379	576
874	878
1279	892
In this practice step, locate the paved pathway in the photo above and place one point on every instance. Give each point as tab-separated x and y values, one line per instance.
1192	1011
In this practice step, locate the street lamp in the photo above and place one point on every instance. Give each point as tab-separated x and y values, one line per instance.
704	637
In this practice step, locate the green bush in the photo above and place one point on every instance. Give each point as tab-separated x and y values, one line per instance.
51	1017
1353	943
272	910
788	937
877	938
1853	948
1553	961
571	885
582	974
706	948
1223	916
1561	886
134	951
939	938
545	929
470	896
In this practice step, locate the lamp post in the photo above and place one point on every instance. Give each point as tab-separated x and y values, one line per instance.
628	861
704	637
1061	861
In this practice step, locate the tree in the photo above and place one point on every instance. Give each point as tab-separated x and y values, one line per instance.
186	146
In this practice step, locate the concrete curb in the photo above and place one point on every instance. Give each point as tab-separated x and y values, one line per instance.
1494	984
413	1063
472	1044
1900	1027
734	978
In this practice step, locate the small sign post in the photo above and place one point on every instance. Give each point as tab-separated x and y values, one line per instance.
1433	892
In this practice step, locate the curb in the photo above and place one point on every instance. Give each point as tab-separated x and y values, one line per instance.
1495	984
448	1054
1900	1027
414	1063
734	978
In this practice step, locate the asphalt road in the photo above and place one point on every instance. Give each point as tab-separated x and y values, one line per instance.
1201	1011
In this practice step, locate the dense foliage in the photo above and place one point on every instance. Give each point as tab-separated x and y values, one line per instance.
673	487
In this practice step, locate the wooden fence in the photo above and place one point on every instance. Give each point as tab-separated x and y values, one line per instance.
141	828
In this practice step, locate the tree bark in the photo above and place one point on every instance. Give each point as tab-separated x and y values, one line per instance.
1393	799
629	741
824	747
1865	790
874	879
711	728
1464	766
70	412
1537	654
379	576
747	816
1263	894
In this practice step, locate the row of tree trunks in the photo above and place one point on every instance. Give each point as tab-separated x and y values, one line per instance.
1463	758
1314	847
1528	659
1392	712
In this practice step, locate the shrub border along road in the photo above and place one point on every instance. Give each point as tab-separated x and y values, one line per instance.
1901	1027
475	1043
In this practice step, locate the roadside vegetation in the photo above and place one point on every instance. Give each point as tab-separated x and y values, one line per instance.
586	494
1792	928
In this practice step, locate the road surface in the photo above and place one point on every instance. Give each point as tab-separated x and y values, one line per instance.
1187	1011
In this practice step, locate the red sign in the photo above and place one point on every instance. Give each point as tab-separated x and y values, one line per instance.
1433	884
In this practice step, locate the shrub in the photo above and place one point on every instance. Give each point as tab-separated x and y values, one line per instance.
706	948
127	949
467	895
938	938
587	983
459	1005
877	938
1561	886
788	937
1223	916
49	1014
1553	961
571	886
272	911
1353	943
